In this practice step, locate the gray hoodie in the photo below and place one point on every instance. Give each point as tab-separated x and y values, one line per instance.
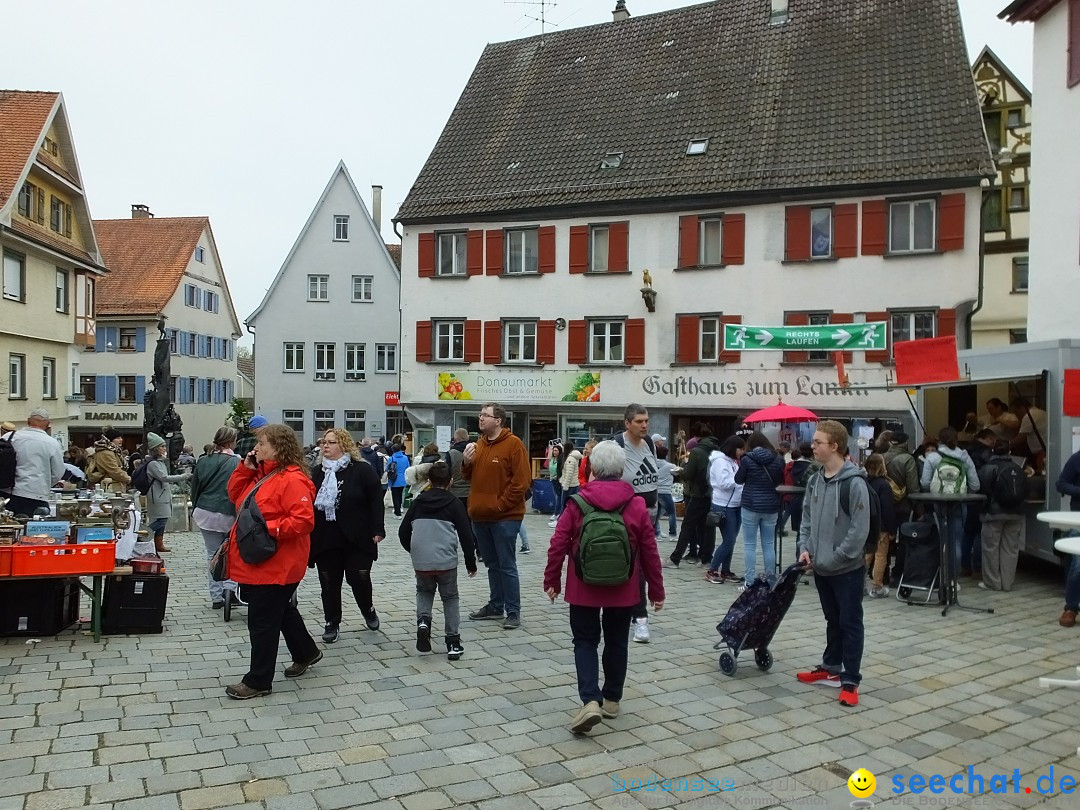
834	539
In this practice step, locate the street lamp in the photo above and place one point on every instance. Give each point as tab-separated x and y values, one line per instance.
1002	161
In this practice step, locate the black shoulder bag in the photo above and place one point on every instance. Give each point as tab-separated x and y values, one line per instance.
253	539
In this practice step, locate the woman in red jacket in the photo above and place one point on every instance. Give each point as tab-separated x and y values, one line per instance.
277	471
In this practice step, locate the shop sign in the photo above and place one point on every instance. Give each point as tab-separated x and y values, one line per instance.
390	399
519	385
739	392
826	337
106	416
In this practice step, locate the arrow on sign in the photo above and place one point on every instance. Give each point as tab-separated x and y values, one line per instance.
763	337
841	336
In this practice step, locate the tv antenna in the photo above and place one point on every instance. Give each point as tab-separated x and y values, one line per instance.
540	16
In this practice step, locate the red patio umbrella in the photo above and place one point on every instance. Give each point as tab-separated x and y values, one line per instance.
782	413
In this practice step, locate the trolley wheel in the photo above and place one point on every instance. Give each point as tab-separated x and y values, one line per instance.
763	659
227	610
904	593
728	664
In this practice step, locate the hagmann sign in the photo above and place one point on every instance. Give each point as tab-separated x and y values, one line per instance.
513	385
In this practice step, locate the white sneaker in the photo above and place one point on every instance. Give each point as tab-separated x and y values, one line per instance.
878	593
552	522
641	631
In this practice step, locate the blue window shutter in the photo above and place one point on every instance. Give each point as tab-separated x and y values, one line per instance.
181	341
140	388
232	351
102	339
229	391
99	385
110	390
114	337
140	339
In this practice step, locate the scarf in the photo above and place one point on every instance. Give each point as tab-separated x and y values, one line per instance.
327	498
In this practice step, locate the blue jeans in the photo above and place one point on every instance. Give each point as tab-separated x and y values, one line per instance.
729	531
497	542
971	551
1072	582
757	524
560	497
841	601
665	503
586	624
564	496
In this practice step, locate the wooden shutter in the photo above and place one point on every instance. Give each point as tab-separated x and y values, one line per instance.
494	252
545	342
796	319
619	247
687	332
841	317
473	339
883	355
578	343
493	337
874	227
579	249
951	222
423	341
846	231
546	249
474	253
688	240
729	357
635	341
40	207
946	323
425	255
140	388
734	239
797	233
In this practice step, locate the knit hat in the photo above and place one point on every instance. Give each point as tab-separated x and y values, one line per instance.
153	441
112	434
257	421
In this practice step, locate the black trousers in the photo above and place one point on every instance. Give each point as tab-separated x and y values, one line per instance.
351	565
693	535
587	624
270	614
395	495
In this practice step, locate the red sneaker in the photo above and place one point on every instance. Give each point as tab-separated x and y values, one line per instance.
849	695
819	676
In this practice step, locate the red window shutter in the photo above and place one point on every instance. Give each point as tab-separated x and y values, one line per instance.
734	239
579	249
635	341
729	357
687	331
797	233
874	227
946	322
545	342
846	231
797	319
951	222
474	254
425	255
878	356
494	252
578	343
423	341
688	241
546	249
618	247
492	342
841	317
473	330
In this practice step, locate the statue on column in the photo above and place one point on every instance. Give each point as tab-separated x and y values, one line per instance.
159	416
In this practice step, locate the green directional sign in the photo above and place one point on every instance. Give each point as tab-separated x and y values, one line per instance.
826	337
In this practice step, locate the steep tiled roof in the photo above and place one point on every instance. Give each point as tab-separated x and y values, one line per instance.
395	254
146	259
22	119
246	366
844	93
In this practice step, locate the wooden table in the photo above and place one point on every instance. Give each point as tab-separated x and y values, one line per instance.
940	503
94	590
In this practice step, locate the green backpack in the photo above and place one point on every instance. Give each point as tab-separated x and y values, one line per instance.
950	477
604	556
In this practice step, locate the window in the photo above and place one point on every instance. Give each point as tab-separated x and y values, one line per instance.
385	358
1017	198
778	12
1018	336
88	387
821	233
912	225
911	326
173	344
354	362
519	341
709	339
452	249
324	421
210	301
14	276
606	341
341	228
189	339
173	396
1015	118
521	251
598	248
48	378
191	296
200	254
294	357
294	420
27	196
49	146
818	319
1020	274
126	387
710	241
992	218
361	289
324	361
16	376
127	339
62	291
318	288
59	216
697	146
450	340
612	160
355	423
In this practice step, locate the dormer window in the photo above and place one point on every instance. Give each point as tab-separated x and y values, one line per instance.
697	146
612	160
778	12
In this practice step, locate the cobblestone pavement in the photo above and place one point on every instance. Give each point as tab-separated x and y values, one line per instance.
142	721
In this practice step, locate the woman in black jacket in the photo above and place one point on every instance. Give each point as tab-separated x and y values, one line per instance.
877	558
761	471
348	528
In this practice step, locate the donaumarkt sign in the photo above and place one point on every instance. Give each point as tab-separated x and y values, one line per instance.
826	337
524	385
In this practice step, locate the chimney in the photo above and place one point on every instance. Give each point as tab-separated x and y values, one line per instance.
376	207
141	211
620	12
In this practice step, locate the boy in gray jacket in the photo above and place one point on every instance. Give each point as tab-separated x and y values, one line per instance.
831	540
433	528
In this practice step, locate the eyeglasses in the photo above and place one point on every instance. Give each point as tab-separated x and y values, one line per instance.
820	443
486	416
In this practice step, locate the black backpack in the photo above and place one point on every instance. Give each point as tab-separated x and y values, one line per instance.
8	463
140	478
1011	486
873	531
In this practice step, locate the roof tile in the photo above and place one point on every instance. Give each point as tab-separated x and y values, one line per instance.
22	118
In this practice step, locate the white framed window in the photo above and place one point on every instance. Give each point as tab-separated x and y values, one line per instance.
126	388
356	423
48	378
519	342
362	289
341	227
200	254
324	421
294	357
211	301
912	226
16	376
318	286
710	241
821	233
385	358
450	340
88	388
127	339
1020	274
14	276
355	369
522	252
599	239
62	290
914	325
60	216
606	341
709	338
453	252
295	420
325	366
192	296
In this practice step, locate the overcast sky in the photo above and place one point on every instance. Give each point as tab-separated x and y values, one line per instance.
241	109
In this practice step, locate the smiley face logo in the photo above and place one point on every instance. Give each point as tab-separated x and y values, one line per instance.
862	783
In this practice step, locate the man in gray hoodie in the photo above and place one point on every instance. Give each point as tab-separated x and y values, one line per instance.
831	540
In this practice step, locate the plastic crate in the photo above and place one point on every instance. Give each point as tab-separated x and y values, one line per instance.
84	558
5	561
38	607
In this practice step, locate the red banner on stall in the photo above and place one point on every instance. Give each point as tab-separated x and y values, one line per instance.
1070	401
926	361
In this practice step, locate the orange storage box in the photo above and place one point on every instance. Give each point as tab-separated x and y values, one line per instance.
63	560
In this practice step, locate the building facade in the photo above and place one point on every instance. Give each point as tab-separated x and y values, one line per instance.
326	333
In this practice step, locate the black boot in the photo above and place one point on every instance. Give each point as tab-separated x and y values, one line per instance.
423	634
454	650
